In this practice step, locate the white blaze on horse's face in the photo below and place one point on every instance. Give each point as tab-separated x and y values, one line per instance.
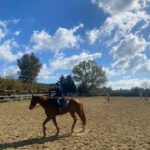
33	102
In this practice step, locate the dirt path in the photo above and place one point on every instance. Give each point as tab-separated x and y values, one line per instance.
122	124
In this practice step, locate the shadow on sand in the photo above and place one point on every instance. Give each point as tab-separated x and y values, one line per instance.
40	140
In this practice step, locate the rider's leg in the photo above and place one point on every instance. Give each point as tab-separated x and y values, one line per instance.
59	104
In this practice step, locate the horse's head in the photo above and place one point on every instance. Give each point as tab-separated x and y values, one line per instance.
34	101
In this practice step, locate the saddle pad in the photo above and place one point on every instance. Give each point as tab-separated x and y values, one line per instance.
63	103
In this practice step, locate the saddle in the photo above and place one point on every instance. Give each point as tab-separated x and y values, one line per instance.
53	102
63	103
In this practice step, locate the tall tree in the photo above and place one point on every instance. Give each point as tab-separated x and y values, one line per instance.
63	84
89	76
71	87
29	66
67	84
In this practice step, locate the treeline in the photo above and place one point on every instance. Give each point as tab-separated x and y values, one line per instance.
70	88
87	79
135	92
68	85
13	84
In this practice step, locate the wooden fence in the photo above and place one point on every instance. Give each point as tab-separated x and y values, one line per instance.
12	95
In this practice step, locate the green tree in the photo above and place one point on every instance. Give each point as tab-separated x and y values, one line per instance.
29	66
89	76
71	87
67	84
83	89
63	83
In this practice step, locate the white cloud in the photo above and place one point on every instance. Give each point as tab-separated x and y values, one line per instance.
127	83
3	29
122	33
17	33
117	6
129	53
62	39
93	35
10	71
6	53
2	34
60	62
15	21
65	63
124	15
121	24
110	72
143	67
45	72
130	46
47	75
8	44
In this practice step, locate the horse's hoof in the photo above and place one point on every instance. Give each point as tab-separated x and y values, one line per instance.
57	133
83	129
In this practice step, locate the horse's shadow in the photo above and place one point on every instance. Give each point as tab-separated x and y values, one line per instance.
32	141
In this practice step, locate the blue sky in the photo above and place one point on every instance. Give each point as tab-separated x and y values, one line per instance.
113	33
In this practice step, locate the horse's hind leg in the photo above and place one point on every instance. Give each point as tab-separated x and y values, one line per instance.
44	123
55	123
75	120
83	118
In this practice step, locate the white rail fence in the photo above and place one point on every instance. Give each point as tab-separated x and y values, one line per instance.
13	95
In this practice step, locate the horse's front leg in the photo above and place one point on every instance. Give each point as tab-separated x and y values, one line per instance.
44	123
55	123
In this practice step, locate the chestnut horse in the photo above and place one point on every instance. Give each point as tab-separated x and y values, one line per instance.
74	106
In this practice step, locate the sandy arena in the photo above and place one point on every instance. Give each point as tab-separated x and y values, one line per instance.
121	124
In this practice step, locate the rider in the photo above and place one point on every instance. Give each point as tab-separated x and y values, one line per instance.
58	95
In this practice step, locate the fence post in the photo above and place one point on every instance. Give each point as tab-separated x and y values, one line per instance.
108	99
